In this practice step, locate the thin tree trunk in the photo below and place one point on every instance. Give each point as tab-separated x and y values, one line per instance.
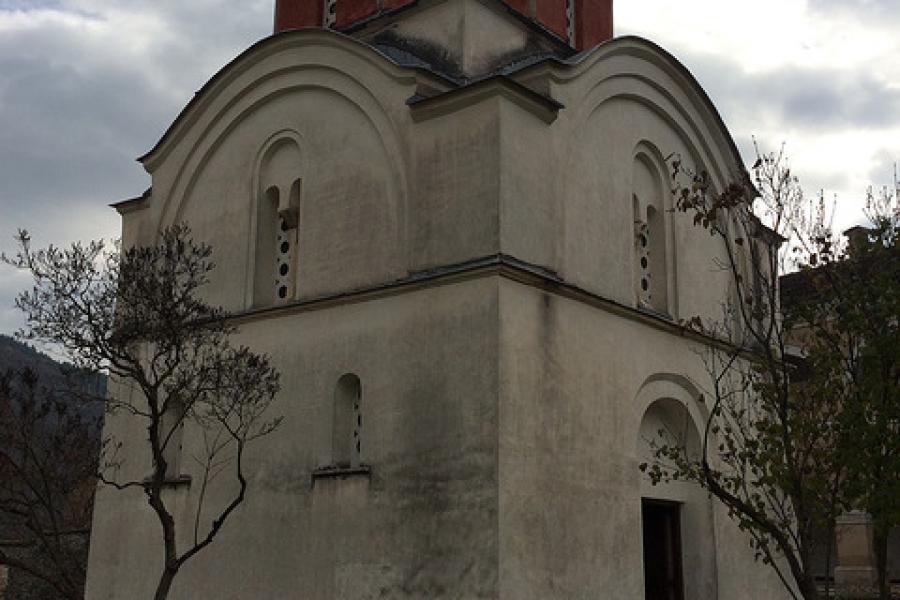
165	583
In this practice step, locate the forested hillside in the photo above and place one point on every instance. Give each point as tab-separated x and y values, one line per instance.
49	448
15	355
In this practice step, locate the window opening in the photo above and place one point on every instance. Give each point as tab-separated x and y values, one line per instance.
330	13
348	422
277	237
644	274
282	260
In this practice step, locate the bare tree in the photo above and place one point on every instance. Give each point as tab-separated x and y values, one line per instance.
787	387
138	314
49	450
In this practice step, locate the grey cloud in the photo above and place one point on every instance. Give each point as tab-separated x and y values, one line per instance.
71	122
886	165
800	103
800	97
823	99
66	135
11	282
818	179
27	4
79	103
867	11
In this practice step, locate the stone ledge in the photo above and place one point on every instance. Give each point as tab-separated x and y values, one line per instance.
332	472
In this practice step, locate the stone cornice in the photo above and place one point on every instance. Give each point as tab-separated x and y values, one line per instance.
132	204
563	70
498	265
541	106
268	47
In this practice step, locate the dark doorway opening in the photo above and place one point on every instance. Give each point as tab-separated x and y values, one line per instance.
662	550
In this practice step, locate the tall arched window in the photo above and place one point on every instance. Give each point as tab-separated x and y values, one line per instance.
286	246
277	221
266	234
651	281
346	439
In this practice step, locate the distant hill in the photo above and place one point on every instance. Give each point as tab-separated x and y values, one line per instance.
15	355
16	537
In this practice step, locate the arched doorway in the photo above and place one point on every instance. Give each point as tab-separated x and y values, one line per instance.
678	537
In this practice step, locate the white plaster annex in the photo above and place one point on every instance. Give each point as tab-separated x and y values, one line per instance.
449	224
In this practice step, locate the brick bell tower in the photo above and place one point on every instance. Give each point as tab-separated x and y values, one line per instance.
578	24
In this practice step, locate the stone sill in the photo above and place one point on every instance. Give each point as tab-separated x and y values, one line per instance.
341	472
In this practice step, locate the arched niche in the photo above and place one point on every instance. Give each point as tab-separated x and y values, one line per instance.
646	102
278	85
647	75
354	199
277	189
676	517
652	257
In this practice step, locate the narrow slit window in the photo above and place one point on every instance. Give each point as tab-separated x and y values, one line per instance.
267	233
348	422
644	275
283	252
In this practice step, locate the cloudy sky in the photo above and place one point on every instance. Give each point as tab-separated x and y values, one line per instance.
88	85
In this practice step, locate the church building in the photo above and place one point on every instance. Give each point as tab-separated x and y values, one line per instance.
449	224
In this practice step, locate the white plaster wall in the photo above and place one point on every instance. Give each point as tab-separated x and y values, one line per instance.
570	488
453	212
424	526
571	182
346	106
349	220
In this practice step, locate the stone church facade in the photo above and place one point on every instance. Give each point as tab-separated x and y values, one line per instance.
449	224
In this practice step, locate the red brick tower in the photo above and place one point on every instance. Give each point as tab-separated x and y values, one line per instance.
580	23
